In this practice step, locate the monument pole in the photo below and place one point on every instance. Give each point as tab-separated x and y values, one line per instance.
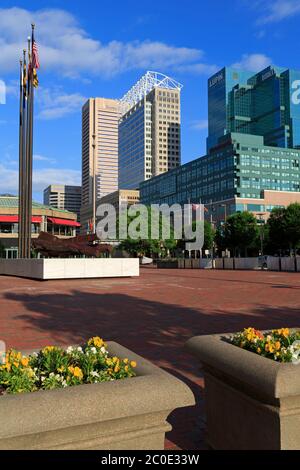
28	81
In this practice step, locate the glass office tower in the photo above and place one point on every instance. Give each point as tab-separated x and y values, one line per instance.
266	104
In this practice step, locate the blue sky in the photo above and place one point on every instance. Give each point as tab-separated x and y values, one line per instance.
97	48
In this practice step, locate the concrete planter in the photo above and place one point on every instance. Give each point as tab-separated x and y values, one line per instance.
127	414
251	402
70	268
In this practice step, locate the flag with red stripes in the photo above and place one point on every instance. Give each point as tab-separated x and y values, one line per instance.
35	54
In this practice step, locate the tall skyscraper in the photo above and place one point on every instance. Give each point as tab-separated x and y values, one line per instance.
100	119
149	130
63	197
266	104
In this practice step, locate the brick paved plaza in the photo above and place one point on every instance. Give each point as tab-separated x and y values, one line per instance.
153	315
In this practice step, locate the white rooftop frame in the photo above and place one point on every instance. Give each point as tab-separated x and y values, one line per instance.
146	84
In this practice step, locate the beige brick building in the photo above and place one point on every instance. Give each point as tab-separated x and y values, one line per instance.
149	131
100	119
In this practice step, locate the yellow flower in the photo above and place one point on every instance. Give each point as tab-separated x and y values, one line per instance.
16	364
25	361
125	361
96	341
115	359
277	345
48	349
126	368
61	369
117	368
76	372
285	332
269	348
133	364
259	350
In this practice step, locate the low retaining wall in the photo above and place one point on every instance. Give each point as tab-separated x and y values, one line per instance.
70	268
288	264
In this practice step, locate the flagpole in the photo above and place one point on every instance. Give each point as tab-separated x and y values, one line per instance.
30	146
24	114
27	164
20	205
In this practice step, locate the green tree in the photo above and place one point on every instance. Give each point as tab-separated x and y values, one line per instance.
277	230
209	235
240	232
292	225
220	239
149	247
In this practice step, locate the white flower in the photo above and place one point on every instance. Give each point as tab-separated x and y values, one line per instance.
42	379
94	374
94	350
103	350
70	349
79	349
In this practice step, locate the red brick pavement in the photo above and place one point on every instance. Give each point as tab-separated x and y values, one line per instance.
153	315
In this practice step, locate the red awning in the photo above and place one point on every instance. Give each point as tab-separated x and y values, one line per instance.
9	218
14	219
69	223
36	219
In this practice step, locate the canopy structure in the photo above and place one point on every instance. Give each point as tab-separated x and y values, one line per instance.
146	84
69	223
10	219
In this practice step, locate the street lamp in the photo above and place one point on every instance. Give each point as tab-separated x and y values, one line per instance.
261	222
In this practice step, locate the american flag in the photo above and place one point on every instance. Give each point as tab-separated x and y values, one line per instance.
35	55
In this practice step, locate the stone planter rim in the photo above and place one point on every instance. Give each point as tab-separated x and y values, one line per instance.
266	376
152	391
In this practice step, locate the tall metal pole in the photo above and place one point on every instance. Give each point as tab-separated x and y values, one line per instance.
30	148
20	205
27	220
25	77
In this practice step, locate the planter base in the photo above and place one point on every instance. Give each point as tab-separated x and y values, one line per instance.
128	414
251	402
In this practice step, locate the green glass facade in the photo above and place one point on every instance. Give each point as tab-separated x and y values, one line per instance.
239	166
265	104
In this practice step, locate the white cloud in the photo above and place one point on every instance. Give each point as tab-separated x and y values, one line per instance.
41	178
66	48
200	125
274	11
253	62
42	158
55	103
197	69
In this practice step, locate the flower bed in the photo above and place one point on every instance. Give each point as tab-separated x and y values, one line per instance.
252	388
280	345
53	367
127	414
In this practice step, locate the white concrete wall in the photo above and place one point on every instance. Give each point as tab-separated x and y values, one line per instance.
205	263
246	263
287	263
70	268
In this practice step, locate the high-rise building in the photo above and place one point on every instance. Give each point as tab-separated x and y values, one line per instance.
149	130
63	197
240	173
100	120
265	104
